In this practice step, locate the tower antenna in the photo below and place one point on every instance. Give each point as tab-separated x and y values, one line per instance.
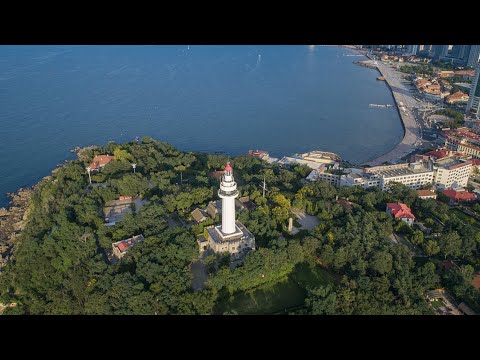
264	186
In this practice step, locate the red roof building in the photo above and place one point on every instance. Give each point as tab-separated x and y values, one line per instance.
216	174
475	162
120	248
439	154
100	161
400	211
459	195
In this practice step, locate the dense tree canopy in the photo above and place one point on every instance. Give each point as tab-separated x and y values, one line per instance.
61	265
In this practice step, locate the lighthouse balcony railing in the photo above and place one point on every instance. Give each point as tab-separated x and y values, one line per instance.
228	193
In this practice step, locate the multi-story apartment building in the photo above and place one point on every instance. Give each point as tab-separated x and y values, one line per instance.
414	175
452	172
473	56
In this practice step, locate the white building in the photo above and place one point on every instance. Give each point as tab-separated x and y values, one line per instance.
452	172
231	236
357	177
290	160
414	175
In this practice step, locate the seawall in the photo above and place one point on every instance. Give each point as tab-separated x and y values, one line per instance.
409	125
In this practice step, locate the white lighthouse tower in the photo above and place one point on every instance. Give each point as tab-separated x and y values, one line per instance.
232	236
228	192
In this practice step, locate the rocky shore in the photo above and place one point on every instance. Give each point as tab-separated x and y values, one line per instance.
12	221
81	151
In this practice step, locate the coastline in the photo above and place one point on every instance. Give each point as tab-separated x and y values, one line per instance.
411	131
410	128
403	148
12	221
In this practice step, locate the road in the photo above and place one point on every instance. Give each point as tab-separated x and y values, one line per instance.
402	95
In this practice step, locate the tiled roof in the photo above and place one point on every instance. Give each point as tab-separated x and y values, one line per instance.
421	193
100	160
198	215
459	195
400	211
441	153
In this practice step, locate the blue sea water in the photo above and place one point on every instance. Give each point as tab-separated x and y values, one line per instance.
283	99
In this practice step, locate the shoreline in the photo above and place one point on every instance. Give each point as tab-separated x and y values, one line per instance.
411	131
403	148
410	138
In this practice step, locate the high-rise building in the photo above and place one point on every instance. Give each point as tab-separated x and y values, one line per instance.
424	49
473	56
473	106
412	49
439	51
460	52
231	236
466	53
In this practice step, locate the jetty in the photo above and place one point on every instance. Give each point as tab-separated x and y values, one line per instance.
366	63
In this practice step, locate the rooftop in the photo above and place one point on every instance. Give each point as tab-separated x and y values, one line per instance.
100	160
421	193
452	163
198	215
464	132
400	211
402	171
459	195
439	154
243	233
126	244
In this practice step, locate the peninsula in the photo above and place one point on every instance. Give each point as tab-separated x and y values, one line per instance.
124	239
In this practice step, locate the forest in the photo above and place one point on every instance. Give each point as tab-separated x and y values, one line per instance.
60	266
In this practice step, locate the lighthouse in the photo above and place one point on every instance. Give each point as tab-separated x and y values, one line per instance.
228	192
231	236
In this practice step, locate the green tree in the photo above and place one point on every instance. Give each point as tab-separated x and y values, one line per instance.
382	262
122	155
417	238
450	244
431	248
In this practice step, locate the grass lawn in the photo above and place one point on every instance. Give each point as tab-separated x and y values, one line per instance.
276	298
437	303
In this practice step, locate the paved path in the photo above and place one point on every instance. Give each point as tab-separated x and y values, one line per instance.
412	130
308	222
199	275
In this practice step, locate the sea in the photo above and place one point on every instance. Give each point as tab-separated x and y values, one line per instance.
216	98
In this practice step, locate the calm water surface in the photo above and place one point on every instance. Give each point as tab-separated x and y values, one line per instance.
283	99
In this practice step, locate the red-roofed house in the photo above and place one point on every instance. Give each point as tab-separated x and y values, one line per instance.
456	196
100	161
120	248
439	154
401	211
457	97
